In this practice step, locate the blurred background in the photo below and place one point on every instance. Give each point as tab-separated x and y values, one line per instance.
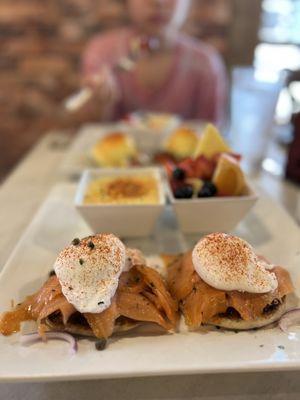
41	43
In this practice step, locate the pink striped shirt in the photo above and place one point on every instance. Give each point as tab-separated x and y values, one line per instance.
195	88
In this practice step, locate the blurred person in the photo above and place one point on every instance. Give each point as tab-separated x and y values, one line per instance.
182	76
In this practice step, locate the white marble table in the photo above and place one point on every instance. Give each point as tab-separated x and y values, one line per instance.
20	196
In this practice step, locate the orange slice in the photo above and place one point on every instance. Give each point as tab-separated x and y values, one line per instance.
229	177
211	143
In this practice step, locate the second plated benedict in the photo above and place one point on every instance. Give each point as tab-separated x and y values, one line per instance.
222	282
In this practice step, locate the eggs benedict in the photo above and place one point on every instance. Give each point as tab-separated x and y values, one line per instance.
223	282
98	287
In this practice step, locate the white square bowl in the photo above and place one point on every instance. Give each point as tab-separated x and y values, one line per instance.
124	220
212	214
148	139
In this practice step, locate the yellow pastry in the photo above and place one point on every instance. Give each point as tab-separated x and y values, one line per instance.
182	143
116	149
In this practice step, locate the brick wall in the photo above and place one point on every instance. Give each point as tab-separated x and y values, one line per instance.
40	46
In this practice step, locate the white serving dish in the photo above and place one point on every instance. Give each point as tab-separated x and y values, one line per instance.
149	139
267	227
125	220
212	214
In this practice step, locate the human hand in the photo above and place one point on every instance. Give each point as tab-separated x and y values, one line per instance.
103	85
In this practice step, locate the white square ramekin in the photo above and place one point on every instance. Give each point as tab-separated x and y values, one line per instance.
125	220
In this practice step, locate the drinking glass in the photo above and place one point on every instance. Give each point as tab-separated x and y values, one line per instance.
253	104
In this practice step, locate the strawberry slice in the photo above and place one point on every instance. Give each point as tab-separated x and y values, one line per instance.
188	165
236	156
204	168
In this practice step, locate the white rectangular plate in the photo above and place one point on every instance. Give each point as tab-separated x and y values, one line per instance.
268	228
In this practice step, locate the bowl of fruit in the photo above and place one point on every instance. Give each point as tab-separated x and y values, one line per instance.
209	191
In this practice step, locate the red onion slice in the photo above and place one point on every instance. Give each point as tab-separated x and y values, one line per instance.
288	319
35	337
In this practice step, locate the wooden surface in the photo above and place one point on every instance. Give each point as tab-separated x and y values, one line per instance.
20	196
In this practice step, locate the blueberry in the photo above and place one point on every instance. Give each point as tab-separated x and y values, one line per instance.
208	190
179	174
183	192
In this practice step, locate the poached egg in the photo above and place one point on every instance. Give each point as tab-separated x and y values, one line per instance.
227	262
89	270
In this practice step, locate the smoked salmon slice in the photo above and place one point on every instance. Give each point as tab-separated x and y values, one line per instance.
200	302
142	295
103	324
160	294
46	301
251	305
181	276
137	307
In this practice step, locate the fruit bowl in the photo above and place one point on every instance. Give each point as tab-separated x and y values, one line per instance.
209	191
211	214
